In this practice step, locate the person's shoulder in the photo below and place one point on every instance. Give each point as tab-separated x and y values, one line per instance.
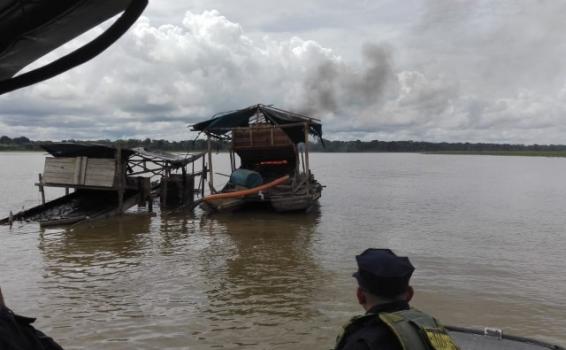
371	334
17	332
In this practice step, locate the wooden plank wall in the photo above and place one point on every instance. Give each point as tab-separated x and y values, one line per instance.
59	170
259	137
100	172
79	171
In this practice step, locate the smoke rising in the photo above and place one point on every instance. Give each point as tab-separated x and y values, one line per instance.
336	87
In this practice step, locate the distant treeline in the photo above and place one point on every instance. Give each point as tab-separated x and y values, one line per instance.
23	143
419	146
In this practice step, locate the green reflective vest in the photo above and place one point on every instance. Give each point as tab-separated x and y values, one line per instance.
414	329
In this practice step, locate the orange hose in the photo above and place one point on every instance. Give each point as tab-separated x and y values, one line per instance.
243	193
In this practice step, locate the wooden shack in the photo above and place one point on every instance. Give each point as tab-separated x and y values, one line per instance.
95	168
107	180
79	172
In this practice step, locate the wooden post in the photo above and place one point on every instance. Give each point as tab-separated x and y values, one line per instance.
147	192
202	175
141	192
41	189
272	138
307	170
184	182
302	160
164	188
211	176
120	179
232	160
66	191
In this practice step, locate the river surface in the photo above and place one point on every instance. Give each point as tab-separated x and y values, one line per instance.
486	234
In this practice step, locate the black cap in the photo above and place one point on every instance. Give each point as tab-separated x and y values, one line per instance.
383	273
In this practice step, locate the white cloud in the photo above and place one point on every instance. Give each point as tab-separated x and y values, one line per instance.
488	72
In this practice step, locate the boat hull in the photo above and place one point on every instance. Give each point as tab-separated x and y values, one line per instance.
288	203
294	202
470	339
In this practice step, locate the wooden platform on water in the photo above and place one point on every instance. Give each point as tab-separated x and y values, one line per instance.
107	181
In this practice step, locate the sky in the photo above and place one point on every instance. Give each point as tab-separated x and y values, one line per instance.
426	70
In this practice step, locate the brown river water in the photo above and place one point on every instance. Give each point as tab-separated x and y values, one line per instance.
486	234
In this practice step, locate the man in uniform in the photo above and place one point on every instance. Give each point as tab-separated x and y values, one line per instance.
17	333
389	322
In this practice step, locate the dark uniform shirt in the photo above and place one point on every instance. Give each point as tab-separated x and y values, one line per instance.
370	333
17	333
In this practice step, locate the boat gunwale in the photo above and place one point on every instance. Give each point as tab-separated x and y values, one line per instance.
465	330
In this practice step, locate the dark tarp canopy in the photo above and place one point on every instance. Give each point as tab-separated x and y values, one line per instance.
94	150
31	29
67	149
221	124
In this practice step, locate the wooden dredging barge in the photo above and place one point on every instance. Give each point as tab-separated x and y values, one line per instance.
107	180
101	181
274	171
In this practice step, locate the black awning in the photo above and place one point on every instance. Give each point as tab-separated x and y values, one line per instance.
67	149
31	29
221	124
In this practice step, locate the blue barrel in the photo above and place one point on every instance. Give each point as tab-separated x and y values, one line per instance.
246	178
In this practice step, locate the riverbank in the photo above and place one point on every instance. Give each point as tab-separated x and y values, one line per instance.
506	153
23	143
554	154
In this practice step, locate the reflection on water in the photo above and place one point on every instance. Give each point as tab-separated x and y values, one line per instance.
97	242
174	228
89	269
270	269
485	235
189	279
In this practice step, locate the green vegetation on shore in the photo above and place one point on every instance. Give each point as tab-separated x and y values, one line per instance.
23	143
506	153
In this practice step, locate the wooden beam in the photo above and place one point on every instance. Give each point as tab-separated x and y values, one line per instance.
202	177
232	160
41	189
120	179
307	170
211	174
183	194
